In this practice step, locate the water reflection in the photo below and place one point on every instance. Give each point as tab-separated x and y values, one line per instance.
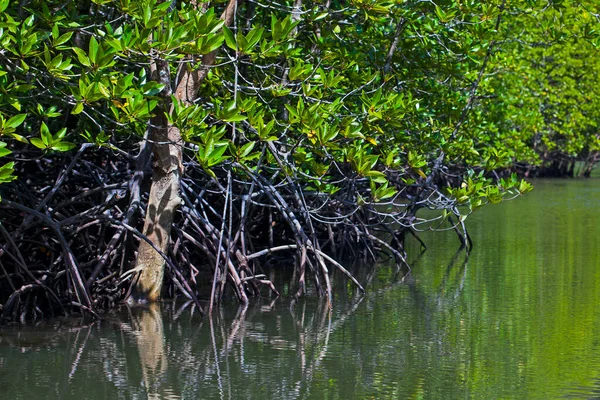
147	328
268	349
519	319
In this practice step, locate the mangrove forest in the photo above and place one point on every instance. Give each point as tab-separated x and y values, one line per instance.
157	149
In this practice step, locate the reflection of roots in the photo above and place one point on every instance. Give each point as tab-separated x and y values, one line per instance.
313	326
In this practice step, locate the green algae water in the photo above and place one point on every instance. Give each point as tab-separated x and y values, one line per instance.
520	318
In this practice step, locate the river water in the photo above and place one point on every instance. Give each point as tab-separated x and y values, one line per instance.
519	319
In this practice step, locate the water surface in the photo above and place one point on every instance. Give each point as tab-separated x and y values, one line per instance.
519	319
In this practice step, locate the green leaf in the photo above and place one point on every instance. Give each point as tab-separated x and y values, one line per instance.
103	90
3	150
78	108
292	111
19	138
55	32
147	13
376	176
38	143
253	37
152	88
63	38
60	134
229	38
62	146
216	156
82	57
16	120
387	193
45	134
321	16
235	118
6	172
93	50
246	149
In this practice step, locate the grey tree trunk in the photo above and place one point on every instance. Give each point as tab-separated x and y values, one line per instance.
167	171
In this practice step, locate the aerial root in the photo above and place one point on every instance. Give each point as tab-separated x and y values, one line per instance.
71	247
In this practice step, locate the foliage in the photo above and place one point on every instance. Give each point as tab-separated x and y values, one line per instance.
369	90
542	101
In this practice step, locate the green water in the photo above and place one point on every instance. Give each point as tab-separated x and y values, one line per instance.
519	319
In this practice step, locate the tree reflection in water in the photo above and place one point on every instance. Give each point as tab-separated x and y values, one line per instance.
147	328
270	349
225	356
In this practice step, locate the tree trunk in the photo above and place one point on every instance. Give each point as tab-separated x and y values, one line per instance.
163	201
164	197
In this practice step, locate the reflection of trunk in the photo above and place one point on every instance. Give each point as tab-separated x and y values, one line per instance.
164	192
148	329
